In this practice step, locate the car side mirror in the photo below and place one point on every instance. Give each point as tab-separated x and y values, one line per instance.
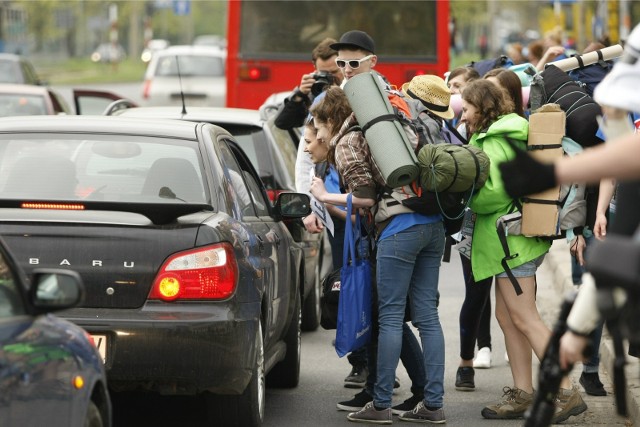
293	205
53	289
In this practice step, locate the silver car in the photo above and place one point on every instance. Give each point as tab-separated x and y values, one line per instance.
196	73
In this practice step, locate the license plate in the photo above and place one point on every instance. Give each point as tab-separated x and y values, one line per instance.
100	341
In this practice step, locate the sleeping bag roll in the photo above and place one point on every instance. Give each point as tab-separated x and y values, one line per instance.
450	167
387	140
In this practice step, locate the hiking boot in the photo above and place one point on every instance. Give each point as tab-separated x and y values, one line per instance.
483	358
407	405
420	414
357	377
568	403
355	404
464	379
369	414
513	405
592	385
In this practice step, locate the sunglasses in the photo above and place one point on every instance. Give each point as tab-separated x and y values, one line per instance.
353	63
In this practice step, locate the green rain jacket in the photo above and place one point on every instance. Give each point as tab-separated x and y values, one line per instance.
491	202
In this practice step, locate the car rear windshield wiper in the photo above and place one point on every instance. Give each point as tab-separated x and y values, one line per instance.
166	193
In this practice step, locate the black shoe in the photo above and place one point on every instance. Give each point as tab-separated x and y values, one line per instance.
355	404
407	405
357	377
592	385
464	379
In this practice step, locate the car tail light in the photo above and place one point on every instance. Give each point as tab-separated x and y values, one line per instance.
210	272
146	89
253	72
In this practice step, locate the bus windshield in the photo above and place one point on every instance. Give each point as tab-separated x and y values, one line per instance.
401	29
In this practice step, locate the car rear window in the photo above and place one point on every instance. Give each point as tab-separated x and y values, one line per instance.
22	105
190	66
101	168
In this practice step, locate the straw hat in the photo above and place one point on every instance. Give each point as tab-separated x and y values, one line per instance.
433	92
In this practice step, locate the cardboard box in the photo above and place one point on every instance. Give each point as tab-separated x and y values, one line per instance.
545	128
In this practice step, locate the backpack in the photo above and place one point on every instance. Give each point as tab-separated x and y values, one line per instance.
467	167
555	86
572	213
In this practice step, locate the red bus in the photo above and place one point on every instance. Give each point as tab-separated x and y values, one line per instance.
269	43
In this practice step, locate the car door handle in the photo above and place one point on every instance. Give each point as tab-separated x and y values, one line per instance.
260	243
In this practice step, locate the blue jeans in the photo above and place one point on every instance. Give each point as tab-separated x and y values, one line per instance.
408	263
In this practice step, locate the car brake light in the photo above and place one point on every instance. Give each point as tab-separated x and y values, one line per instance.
53	206
146	89
254	72
409	74
210	272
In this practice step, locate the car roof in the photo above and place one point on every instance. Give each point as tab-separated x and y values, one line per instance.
10	56
218	115
101	125
191	50
23	89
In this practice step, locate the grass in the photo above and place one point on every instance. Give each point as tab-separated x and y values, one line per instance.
84	71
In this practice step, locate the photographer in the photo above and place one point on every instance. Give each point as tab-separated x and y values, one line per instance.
296	106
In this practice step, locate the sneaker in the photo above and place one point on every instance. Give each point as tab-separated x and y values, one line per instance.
464	379
355	404
369	414
420	414
592	385
514	404
407	405
568	403
396	383
483	358
357	377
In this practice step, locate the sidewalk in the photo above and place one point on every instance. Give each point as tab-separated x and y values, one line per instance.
559	262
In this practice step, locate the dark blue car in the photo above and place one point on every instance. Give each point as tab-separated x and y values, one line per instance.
51	374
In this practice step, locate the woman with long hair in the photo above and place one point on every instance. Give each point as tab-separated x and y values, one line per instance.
488	112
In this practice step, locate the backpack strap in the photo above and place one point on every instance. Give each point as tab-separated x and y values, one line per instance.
507	256
382	118
455	132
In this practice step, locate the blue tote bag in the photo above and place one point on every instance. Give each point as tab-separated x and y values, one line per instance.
354	308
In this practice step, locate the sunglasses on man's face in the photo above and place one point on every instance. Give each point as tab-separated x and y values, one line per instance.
353	63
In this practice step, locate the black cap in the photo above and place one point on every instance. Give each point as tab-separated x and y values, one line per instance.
355	39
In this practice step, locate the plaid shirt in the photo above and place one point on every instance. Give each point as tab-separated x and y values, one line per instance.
358	172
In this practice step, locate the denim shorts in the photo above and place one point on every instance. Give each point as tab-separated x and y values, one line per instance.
525	270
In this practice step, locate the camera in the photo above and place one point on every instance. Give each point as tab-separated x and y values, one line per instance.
323	79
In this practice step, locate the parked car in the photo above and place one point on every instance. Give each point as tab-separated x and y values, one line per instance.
195	73
273	153
192	276
109	53
210	40
18	69
29	100
50	371
152	47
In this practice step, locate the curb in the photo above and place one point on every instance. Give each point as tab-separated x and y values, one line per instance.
560	264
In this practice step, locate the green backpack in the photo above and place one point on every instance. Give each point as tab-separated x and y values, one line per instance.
452	168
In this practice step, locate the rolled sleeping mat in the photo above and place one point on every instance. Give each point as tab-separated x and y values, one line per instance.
387	140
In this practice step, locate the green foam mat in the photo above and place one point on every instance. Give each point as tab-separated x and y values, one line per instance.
387	141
